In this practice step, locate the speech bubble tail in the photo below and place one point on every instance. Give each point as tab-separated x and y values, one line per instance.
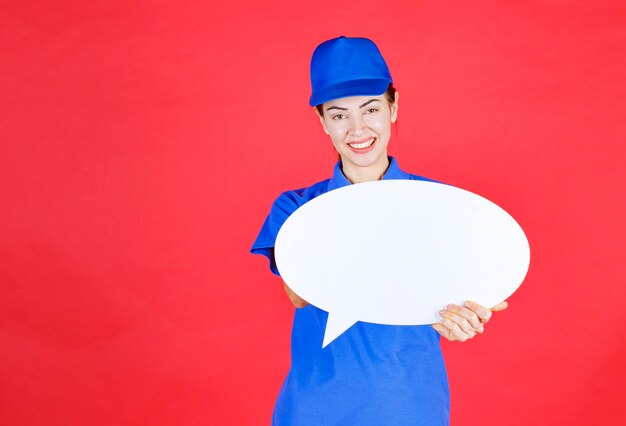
335	326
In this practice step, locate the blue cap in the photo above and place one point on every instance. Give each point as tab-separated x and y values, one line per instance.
346	66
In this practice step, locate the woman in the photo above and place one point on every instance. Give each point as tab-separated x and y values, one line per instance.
373	374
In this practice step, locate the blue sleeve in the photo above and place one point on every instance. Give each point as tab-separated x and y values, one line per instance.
282	208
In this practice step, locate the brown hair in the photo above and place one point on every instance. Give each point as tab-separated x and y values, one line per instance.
390	95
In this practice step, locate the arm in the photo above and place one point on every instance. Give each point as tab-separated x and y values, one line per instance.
461	323
297	301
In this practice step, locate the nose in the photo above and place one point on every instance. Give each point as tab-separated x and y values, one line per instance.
356	125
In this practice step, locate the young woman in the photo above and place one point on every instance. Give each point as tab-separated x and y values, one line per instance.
373	374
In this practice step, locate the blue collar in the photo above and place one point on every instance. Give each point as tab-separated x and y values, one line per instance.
339	179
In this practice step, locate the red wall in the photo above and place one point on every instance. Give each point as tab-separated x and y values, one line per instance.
142	144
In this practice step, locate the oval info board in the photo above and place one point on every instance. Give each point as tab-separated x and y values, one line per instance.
397	251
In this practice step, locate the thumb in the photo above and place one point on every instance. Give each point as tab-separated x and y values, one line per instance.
500	306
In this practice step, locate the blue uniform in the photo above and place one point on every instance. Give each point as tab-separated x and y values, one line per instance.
372	374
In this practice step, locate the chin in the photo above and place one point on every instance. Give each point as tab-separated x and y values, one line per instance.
364	160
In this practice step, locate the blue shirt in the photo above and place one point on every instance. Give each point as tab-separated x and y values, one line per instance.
372	374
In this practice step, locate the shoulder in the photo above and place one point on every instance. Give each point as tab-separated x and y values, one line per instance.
396	172
290	200
422	178
284	205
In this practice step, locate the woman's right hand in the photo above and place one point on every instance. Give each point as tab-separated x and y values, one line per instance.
297	301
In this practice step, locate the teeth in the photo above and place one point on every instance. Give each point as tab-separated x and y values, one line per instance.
362	145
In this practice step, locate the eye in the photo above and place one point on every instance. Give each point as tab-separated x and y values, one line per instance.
338	117
370	110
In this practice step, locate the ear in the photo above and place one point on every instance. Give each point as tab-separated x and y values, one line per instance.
394	108
321	120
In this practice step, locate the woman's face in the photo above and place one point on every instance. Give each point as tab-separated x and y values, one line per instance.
360	127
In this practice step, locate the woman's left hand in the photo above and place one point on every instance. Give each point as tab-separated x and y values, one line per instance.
461	323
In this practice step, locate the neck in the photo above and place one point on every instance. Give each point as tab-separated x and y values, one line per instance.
357	174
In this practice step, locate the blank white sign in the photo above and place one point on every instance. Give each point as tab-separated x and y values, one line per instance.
397	251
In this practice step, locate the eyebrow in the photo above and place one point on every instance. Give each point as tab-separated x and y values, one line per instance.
360	106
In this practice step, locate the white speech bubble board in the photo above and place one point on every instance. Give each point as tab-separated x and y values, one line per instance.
398	251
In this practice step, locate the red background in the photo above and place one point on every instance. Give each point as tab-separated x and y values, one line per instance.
143	142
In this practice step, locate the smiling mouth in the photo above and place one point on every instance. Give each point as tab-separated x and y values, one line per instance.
362	145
